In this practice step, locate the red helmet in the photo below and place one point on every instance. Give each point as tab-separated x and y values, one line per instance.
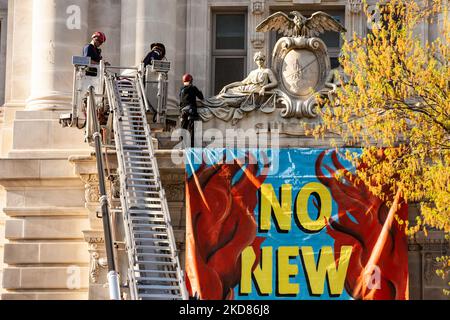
100	35
187	78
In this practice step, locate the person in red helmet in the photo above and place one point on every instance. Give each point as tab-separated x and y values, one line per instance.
188	103
92	49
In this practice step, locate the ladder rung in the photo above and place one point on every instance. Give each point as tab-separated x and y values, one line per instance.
138	170
153	217
133	219
160	296
127	105
133	131
142	136
144	211
134	114
154	271
130	141
128	99
140	174
156	287
135	189
138	151
150	206
142	192
157	263
144	225
157	279
138	131
141	186
155	255
140	179
152	241
144	203
154	248
135	134
145	198
133	147
139	163
133	123
140	117
138	159
132	156
140	202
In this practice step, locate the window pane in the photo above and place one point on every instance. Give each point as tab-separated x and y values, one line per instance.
332	39
227	70
230	31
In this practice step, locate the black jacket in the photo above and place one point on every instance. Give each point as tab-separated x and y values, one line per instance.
189	95
94	53
152	55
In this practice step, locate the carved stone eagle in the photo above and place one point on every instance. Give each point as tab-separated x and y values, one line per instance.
300	26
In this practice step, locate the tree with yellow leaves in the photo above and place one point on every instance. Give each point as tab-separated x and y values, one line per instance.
395	95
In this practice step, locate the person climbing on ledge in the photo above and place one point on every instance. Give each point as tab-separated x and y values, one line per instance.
93	51
188	103
157	52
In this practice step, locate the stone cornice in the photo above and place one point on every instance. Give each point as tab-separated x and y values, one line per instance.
86	164
15	212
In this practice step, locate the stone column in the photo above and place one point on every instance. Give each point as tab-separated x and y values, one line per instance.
105	16
436	26
128	33
145	22
257	40
56	38
3	30
2	235
355	19
197	51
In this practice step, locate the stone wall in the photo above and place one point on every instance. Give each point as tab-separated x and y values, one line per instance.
53	238
45	254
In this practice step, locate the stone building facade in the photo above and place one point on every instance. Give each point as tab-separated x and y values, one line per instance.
50	237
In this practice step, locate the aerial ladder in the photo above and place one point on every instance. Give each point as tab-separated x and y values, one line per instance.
153	269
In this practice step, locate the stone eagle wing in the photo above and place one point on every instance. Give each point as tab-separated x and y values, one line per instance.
278	21
321	22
